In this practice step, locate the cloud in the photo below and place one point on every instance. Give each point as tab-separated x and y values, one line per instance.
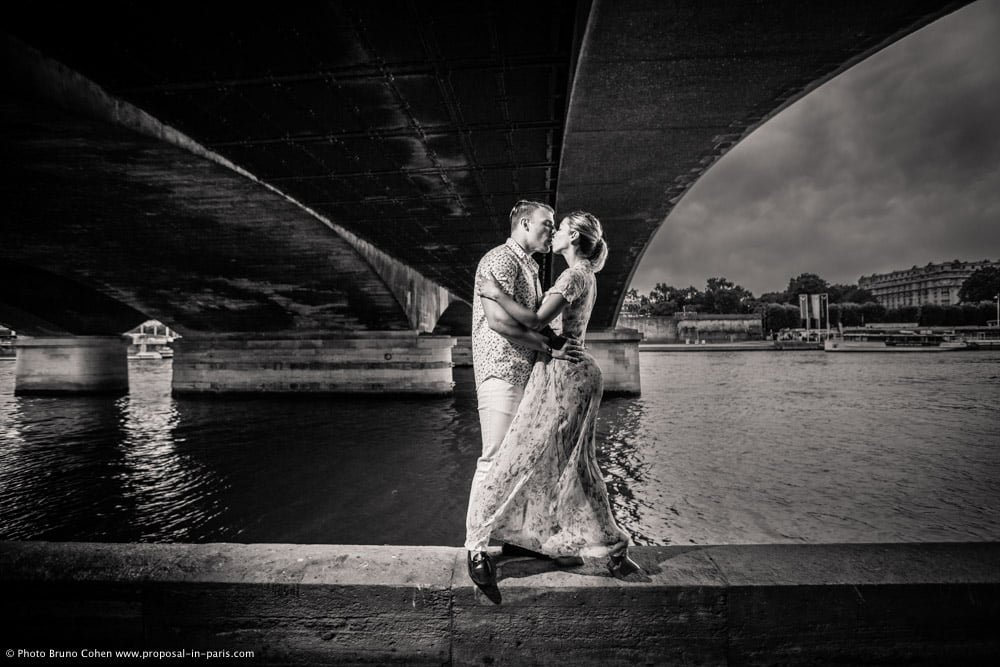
894	163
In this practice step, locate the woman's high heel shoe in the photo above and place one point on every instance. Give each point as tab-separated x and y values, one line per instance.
620	565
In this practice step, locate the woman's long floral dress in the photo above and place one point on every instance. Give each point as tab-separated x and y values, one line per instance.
545	491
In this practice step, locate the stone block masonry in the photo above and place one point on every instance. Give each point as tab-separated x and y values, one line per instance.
783	604
616	352
382	362
71	365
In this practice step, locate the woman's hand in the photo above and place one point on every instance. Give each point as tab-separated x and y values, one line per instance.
489	288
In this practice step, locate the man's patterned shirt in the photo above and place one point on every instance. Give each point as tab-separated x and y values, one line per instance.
492	354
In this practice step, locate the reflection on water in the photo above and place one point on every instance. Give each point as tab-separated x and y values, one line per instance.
168	492
618	430
720	448
148	467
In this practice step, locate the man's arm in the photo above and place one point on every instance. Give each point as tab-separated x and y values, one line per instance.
502	323
552	306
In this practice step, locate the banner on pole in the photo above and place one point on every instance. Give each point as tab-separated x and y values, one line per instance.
804	306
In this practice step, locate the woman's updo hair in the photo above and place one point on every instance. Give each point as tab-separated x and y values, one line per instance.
590	241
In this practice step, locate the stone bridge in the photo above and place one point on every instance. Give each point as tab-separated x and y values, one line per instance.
304	194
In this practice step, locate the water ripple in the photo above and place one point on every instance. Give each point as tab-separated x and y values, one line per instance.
720	448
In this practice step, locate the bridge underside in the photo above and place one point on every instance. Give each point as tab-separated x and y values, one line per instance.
411	127
172	235
274	186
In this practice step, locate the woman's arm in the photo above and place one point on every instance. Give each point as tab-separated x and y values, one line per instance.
552	305
502	323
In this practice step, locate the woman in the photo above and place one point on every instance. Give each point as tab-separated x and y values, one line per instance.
545	491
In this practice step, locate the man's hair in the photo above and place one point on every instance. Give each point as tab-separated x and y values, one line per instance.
524	208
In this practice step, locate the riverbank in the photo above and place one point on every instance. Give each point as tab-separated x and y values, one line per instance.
327	604
740	346
693	327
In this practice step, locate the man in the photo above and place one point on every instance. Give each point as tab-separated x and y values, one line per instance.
504	351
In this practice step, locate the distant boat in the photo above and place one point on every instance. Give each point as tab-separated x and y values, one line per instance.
892	341
801	339
982	338
983	343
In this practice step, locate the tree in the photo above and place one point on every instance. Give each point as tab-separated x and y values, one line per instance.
663	292
847	314
773	297
933	315
806	283
872	312
903	315
775	317
849	294
982	285
667	300
857	295
663	299
663	308
723	296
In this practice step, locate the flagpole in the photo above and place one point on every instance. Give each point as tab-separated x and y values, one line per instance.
807	313
827	314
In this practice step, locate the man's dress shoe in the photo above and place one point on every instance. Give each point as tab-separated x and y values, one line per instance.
482	571
621	565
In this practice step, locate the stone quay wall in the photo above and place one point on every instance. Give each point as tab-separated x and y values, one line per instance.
783	604
695	327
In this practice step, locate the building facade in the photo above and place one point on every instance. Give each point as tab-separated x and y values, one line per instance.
632	303
936	284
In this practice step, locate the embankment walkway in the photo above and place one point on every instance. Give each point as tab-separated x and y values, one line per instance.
913	604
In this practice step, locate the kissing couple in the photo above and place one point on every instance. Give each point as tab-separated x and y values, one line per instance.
537	486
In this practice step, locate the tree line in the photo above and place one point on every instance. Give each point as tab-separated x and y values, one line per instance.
850	305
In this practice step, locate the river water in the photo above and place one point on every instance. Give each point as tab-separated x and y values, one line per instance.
722	447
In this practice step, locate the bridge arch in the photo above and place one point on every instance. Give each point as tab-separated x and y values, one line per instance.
650	114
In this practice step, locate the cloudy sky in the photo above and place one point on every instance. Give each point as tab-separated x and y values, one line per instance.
892	164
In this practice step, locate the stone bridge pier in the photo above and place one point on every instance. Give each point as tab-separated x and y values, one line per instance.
71	365
383	362
379	362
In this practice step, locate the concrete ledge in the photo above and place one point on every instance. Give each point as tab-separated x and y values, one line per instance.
311	604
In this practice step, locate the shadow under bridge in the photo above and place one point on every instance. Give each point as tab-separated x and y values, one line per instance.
303	195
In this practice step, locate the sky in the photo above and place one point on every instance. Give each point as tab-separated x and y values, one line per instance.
894	163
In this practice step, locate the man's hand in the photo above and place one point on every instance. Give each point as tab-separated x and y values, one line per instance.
572	351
